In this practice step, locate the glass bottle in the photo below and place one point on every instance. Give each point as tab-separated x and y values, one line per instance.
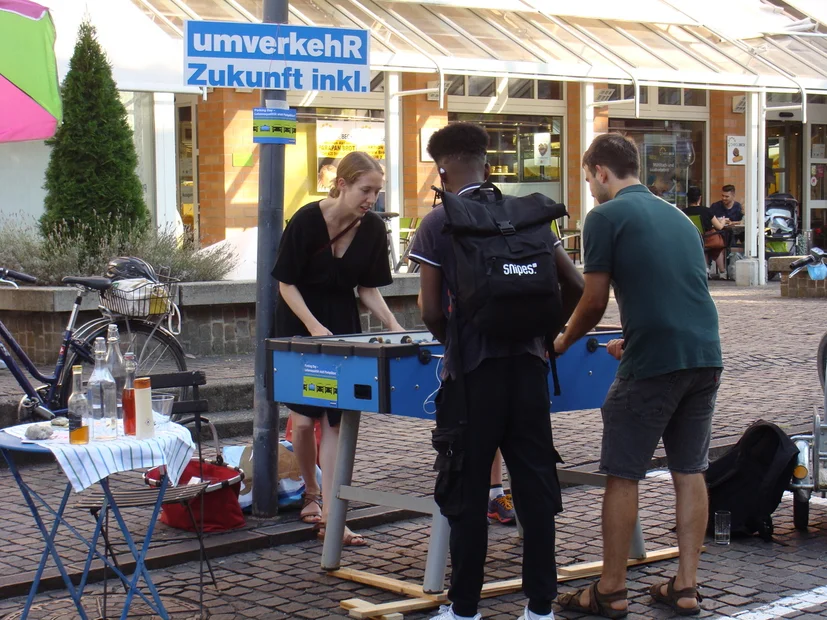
79	413
115	364
131	367
102	396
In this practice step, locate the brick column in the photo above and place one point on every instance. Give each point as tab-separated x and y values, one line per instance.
417	113
574	150
227	195
723	122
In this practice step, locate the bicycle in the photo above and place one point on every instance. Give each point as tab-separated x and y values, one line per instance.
398	263
155	347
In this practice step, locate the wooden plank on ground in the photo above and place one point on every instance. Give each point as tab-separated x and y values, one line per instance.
361	609
389	584
589	569
394	607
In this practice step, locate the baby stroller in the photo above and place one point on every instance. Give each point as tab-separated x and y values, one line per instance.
780	225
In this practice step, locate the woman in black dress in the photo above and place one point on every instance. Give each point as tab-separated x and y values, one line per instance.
329	248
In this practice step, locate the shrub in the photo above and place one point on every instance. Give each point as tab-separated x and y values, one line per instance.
66	252
91	181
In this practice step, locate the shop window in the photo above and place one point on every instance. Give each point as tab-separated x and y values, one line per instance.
817	99
524	152
455	85
628	92
694	97
520	89
547	89
482	86
669	95
786	98
818	182
671	154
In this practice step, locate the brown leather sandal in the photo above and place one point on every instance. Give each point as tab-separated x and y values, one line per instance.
599	603
672	597
350	538
311	518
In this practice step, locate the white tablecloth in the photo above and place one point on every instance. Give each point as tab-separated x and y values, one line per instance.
84	465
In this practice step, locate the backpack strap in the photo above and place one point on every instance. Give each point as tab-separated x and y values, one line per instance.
453	330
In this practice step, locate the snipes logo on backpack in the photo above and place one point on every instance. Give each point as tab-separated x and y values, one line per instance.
510	269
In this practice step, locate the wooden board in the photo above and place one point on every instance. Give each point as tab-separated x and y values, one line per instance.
361	609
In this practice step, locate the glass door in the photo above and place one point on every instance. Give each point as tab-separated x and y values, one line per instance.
784	158
187	163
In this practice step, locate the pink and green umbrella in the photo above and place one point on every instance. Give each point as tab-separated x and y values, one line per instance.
30	107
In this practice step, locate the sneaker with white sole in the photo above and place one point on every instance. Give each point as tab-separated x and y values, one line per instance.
550	616
447	613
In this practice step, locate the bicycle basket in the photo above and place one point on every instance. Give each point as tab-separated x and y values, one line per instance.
140	297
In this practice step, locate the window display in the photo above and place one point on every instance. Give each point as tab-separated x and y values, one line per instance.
525	151
671	154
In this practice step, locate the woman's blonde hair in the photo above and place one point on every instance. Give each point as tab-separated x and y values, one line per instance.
353	166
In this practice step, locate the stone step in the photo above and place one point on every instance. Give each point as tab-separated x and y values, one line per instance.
222	395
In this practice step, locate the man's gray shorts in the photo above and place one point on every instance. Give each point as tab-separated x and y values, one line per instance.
676	406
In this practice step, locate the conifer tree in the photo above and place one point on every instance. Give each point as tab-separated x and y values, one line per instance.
91	181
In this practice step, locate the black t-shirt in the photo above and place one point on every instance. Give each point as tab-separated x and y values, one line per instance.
325	281
705	213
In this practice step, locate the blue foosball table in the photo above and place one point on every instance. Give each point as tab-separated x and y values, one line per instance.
397	373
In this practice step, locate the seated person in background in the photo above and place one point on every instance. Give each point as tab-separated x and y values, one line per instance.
708	222
727	209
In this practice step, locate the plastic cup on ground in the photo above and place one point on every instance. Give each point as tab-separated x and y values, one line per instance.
722	527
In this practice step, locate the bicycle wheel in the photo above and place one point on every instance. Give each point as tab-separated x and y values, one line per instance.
156	350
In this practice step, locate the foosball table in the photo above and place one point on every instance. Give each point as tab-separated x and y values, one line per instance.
397	373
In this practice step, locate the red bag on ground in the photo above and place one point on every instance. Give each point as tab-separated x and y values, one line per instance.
222	511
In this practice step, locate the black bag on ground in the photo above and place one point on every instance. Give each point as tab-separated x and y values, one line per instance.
749	479
507	284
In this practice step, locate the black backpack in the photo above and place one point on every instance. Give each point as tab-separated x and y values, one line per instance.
749	479
507	284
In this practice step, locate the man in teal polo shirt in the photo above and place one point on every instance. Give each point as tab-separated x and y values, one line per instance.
670	367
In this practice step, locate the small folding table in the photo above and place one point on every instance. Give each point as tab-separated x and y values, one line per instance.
119	455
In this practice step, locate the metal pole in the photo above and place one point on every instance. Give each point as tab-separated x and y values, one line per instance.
270	219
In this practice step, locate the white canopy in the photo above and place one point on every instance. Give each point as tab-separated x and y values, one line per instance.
143	57
747	44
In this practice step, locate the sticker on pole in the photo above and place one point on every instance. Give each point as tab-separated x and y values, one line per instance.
274	126
321	383
276	56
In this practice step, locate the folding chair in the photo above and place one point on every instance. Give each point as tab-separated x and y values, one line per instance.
146	496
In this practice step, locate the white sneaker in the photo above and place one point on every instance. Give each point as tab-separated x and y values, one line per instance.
447	613
525	616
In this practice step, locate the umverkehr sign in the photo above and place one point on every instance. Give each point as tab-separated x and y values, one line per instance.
276	56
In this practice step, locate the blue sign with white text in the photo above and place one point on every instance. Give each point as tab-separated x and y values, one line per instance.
276	56
274	126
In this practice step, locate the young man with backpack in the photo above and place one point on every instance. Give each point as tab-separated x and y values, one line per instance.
490	268
670	367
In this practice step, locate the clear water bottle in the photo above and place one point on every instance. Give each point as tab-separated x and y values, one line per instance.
79	413
102	396
115	364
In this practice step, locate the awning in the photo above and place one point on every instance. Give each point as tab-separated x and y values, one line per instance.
143	57
746	44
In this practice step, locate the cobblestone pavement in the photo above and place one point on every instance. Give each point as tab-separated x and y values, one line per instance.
769	351
286	582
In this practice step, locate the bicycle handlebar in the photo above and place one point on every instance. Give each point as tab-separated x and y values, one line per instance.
801	262
16	275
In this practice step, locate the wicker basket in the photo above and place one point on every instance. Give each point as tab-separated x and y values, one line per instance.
140	297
